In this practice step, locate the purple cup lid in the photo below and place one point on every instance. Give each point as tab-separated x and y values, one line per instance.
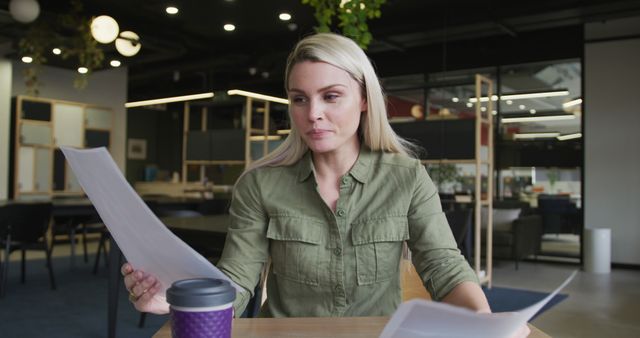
200	292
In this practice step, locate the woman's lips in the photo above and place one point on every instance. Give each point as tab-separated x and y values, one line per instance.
318	133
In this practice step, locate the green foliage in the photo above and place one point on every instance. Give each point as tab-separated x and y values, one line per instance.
351	15
444	173
553	175
77	42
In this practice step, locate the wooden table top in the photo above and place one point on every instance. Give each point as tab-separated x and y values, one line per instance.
344	327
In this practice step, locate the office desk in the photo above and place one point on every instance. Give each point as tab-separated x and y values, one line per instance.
346	327
197	231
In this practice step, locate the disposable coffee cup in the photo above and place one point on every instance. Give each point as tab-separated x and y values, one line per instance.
201	307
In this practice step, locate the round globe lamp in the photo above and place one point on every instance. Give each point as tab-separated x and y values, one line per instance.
24	11
104	29
128	44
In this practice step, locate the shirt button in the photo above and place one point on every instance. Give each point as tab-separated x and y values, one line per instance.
337	251
341	213
345	180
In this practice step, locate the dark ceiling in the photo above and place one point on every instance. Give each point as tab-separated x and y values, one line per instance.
190	52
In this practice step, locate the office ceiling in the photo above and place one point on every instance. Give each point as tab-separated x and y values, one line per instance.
190	52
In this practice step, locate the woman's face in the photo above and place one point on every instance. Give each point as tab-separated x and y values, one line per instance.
325	105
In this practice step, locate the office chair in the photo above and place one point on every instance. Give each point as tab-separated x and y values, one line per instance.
23	226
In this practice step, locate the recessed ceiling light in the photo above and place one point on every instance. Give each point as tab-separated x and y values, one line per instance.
83	70
469	104
172	10
229	27
484	99
532	111
483	109
115	63
522	106
284	16
509	102
494	112
56	51
27	59
455	99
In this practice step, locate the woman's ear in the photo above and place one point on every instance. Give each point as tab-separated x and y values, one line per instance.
363	105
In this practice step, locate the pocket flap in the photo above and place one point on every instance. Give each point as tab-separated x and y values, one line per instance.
287	228
388	229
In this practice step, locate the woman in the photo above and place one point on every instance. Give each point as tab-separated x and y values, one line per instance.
332	206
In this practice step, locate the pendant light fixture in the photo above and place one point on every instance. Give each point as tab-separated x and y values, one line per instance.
128	43
104	29
24	11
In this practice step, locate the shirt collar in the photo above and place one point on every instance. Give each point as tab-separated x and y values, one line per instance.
305	166
359	171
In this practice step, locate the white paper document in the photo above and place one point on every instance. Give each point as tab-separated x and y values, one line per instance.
420	319
145	242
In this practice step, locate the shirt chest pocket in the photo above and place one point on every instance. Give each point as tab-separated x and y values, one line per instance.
378	247
296	248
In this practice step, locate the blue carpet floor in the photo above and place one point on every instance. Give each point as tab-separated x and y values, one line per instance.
507	299
78	308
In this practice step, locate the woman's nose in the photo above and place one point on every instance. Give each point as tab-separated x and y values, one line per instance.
316	111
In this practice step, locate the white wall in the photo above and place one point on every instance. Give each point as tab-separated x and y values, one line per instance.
5	118
107	88
612	136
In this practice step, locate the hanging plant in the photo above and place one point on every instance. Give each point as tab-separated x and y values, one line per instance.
83	45
351	15
77	43
33	45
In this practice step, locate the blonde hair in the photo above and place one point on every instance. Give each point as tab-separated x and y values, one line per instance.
345	54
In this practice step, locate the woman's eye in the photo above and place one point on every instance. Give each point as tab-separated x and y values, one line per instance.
331	97
298	99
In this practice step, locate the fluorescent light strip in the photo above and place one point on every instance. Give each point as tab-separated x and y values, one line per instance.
169	100
257	96
569	136
262	138
505	97
537	118
572	103
535	135
283	131
534	95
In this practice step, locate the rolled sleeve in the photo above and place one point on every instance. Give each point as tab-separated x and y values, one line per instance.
435	254
246	246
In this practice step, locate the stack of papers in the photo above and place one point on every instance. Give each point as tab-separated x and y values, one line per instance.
144	240
420	319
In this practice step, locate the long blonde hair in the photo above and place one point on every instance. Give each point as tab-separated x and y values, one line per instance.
345	54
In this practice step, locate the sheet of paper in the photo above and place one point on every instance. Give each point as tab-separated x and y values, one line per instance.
420	319
145	242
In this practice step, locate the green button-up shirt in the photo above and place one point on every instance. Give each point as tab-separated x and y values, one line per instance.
344	263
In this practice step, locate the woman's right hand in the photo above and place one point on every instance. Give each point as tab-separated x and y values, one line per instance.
143	289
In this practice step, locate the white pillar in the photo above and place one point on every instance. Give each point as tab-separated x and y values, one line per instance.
5	123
